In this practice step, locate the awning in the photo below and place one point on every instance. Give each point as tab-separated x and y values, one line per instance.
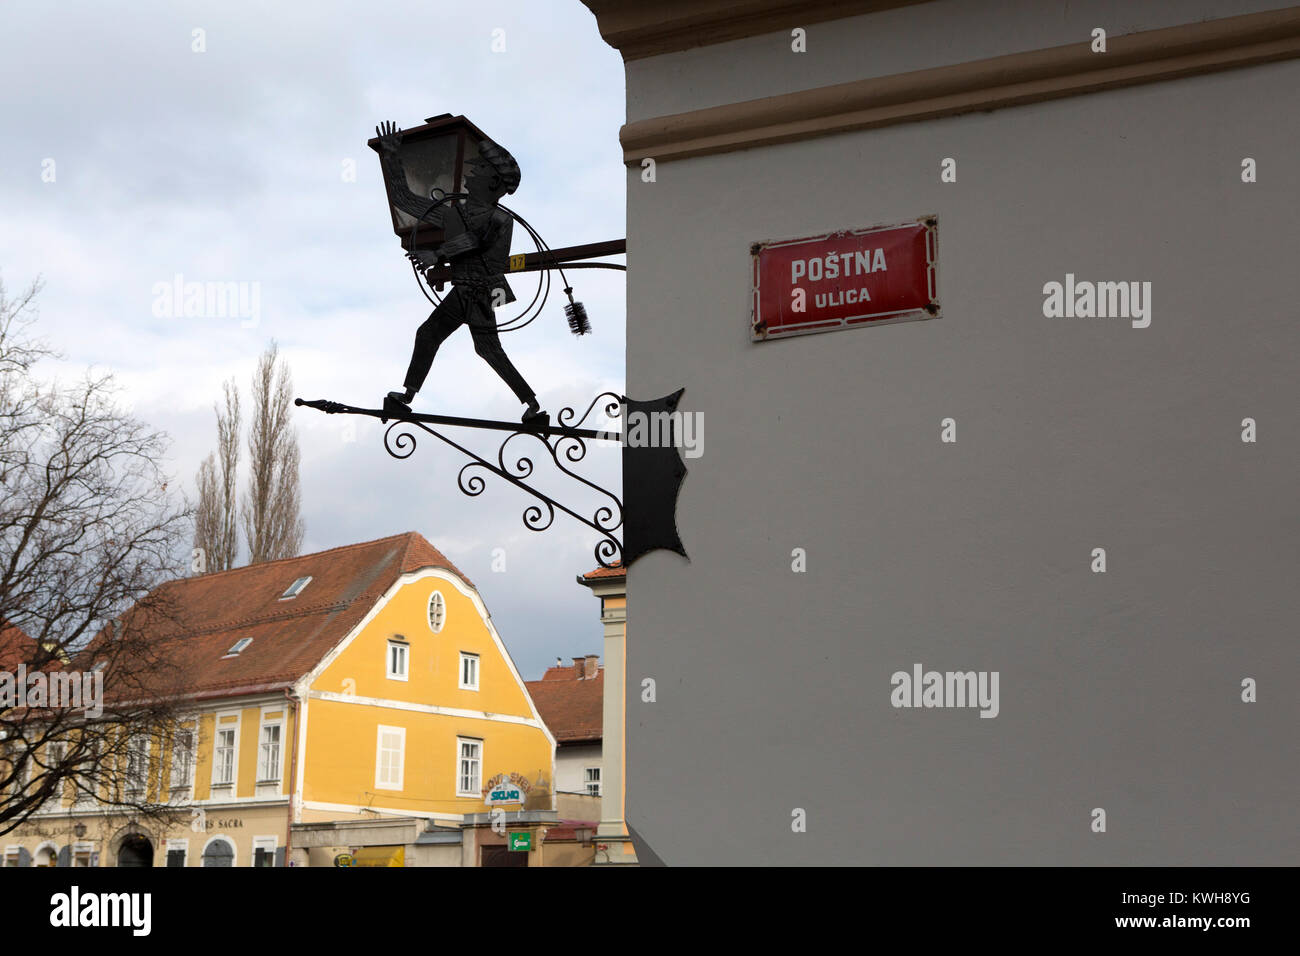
380	856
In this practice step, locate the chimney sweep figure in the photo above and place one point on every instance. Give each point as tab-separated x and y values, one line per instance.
476	243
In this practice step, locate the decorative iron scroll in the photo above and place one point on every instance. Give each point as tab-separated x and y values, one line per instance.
565	442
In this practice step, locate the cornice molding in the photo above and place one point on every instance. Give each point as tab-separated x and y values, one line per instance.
638	29
1011	80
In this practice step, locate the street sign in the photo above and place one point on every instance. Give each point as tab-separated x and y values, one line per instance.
874	276
521	841
343	859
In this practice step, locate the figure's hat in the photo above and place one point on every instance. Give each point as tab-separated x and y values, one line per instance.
490	154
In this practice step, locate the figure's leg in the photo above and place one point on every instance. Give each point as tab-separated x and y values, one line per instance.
443	321
488	345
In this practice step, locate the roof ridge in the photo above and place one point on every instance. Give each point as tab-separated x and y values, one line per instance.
299	557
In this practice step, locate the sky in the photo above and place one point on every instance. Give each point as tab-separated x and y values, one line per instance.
225	142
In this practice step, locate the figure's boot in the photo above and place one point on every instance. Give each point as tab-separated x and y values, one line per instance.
398	404
533	414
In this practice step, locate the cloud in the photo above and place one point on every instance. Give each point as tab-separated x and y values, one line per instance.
225	166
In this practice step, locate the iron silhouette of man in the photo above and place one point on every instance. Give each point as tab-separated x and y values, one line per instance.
476	244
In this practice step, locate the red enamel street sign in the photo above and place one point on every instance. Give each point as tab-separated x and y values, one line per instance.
873	276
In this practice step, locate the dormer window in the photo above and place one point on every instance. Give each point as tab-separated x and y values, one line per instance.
238	646
295	589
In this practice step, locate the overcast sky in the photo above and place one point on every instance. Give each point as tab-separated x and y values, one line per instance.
230	165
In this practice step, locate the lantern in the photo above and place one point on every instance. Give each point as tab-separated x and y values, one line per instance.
435	156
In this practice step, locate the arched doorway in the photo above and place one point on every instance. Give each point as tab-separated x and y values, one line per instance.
136	850
219	851
46	855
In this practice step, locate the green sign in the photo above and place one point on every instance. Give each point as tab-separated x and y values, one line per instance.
521	841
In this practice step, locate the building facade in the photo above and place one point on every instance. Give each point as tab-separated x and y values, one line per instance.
1077	503
571	701
333	700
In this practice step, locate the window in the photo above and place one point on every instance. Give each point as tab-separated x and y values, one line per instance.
388	757
468	671
137	763
437	611
83	854
55	755
469	773
295	589
268	757
264	851
591	781
238	646
223	759
397	658
13	856
178	852
87	782
182	760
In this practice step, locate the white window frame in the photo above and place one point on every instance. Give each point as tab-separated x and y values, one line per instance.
181	844
442	617
15	853
83	849
237	648
217	729
478	782
297	587
380	784
587	781
278	770
186	726
406	660
269	843
52	762
87	781
128	782
460	673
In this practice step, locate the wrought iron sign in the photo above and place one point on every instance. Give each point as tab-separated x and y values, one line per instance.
444	181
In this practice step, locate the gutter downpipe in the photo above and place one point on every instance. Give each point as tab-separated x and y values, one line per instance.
293	778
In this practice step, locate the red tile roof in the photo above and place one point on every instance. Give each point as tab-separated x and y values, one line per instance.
572	708
573	671
567	830
15	647
214	611
617	571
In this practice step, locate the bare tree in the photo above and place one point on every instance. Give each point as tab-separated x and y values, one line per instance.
87	532
216	531
271	508
207	517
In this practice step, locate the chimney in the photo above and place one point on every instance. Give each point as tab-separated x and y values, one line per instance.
591	666
558	662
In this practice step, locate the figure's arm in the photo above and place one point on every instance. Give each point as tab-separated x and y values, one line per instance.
458	245
413	204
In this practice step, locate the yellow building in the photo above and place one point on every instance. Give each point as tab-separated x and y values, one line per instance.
356	704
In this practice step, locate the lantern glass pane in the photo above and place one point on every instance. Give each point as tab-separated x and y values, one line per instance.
429	164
